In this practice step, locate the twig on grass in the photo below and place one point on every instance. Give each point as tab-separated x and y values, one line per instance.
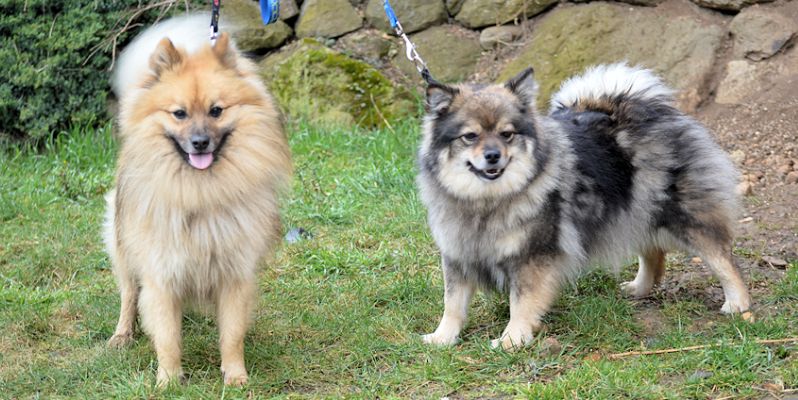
617	356
387	124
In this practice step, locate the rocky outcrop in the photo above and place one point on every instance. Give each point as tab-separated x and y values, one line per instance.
314	82
327	18
674	40
451	53
414	15
481	13
471	39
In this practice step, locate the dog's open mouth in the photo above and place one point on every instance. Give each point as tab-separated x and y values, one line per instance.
489	174
199	160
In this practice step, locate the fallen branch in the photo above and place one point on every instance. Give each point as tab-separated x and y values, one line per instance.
689	348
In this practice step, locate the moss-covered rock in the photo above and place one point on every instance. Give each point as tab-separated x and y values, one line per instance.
678	43
312	81
327	18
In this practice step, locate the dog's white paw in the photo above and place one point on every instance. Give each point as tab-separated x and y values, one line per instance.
736	306
635	289
513	340
439	339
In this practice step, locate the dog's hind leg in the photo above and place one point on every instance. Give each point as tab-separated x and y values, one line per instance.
161	318
650	271
129	291
234	306
533	290
456	299
717	255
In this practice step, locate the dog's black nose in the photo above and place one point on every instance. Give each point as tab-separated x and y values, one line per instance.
492	156
200	142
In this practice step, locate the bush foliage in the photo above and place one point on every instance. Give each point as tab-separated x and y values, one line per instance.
55	58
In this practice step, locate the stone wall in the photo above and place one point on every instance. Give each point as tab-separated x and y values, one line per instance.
342	54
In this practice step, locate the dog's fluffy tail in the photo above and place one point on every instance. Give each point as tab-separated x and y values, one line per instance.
188	32
625	93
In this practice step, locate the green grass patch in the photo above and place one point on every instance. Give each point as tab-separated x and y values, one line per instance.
340	314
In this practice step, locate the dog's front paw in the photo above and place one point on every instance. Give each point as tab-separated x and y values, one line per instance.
235	377
166	377
439	339
120	340
512	342
515	336
635	289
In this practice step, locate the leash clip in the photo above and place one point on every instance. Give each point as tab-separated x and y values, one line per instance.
410	48
215	6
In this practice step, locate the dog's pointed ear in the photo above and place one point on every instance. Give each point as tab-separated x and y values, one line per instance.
439	97
524	86
224	50
165	57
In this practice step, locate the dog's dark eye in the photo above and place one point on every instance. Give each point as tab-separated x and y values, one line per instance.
508	135
470	137
215	111
180	114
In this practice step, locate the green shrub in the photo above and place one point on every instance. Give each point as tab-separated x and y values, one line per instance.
54	61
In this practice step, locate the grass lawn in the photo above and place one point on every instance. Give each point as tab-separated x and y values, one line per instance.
340	314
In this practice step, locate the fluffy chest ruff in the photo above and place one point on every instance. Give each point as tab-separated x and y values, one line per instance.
489	241
190	251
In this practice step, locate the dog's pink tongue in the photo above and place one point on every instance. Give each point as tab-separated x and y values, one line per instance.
200	161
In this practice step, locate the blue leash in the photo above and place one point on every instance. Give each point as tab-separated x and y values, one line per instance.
410	48
269	12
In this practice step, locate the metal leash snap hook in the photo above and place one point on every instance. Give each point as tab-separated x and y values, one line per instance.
410	48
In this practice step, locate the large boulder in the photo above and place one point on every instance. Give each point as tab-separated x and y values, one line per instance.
248	30
674	39
480	13
327	18
414	15
451	53
759	32
312	81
